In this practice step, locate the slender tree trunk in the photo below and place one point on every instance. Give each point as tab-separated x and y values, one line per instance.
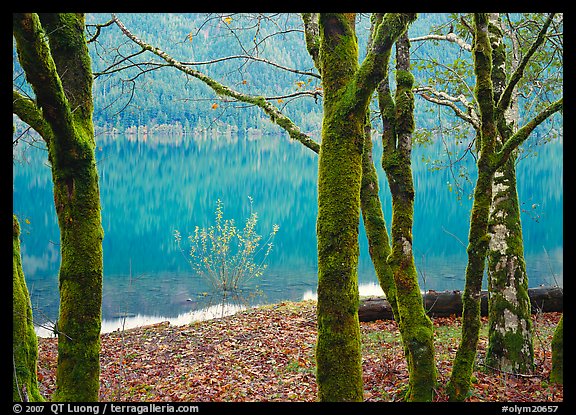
415	326
460	379
24	341
60	74
375	225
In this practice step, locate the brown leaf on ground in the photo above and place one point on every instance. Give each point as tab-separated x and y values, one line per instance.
267	354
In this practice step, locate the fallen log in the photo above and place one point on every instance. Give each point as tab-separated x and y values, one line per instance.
448	303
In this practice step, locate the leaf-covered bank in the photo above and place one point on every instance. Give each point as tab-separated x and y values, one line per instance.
267	354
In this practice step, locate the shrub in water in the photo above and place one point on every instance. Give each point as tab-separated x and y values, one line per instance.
228	257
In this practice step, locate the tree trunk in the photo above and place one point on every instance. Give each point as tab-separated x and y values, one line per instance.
460	379
510	325
415	326
24	341
489	161
375	225
61	77
338	352
510	346
557	372
347	91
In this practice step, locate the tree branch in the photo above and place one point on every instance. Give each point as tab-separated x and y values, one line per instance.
442	98
450	37
274	113
36	60
506	96
27	111
523	133
375	64
254	58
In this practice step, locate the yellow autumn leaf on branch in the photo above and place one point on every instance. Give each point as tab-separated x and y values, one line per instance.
227	19
214	106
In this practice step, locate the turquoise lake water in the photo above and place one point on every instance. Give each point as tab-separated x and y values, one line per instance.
154	186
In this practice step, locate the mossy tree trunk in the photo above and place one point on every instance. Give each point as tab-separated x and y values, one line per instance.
347	91
491	158
415	326
24	341
557	372
375	225
61	77
371	207
510	346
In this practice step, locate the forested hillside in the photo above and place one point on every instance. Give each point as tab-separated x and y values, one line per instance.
149	96
138	96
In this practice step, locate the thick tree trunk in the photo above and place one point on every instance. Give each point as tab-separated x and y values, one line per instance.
338	351
449	303
510	346
510	325
61	76
557	372
347	91
24	341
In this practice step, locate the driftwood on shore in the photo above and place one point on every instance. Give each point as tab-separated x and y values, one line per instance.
447	303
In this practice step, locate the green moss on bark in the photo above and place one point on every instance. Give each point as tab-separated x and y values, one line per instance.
24	342
347	91
338	351
557	372
61	76
478	238
415	327
510	346
375	225
78	207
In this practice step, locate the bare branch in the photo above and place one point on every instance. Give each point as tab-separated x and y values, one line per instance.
274	113
254	58
442	98
450	37
98	29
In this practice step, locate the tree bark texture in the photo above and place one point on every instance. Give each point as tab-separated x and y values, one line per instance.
415	326
61	77
460	379
492	156
557	372
24	341
338	353
375	225
510	345
347	91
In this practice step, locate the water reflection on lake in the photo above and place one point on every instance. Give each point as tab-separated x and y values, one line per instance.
151	187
